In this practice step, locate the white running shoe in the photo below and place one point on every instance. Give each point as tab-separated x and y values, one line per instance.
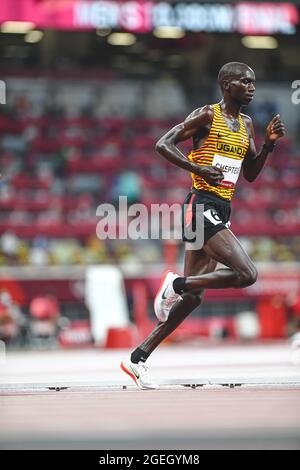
139	373
166	296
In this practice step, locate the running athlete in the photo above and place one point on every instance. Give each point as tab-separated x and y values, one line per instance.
223	144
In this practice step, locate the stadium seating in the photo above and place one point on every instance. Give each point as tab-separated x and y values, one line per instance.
58	167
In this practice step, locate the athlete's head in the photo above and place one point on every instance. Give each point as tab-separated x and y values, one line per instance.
237	80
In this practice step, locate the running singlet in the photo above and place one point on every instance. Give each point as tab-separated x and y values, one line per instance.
225	149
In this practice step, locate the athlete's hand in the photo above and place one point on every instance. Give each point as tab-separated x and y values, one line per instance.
211	174
275	129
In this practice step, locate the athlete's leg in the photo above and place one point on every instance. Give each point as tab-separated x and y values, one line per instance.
196	263
225	248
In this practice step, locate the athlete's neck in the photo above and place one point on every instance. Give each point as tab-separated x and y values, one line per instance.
230	108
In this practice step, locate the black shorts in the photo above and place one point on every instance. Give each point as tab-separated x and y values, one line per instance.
216	215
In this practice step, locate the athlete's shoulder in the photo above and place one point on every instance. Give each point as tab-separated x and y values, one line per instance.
247	120
248	123
246	117
207	108
203	114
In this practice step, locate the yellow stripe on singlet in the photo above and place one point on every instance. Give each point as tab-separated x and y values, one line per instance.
225	149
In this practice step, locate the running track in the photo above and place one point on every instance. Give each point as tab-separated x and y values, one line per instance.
95	411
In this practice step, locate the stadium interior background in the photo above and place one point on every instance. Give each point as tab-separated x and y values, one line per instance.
84	108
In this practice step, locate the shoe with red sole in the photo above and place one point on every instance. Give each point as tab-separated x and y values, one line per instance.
139	373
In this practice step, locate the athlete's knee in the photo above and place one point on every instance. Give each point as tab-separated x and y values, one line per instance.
247	276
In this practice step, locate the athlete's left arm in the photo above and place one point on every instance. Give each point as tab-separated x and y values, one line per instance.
254	162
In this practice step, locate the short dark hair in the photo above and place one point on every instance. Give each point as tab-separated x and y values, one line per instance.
231	70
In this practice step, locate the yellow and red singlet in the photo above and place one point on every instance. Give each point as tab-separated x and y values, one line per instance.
225	149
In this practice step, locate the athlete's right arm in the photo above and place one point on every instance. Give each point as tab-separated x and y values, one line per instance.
167	144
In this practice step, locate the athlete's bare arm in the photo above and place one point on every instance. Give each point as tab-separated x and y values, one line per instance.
198	121
254	162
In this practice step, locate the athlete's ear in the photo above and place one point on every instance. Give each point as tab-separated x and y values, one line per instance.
226	85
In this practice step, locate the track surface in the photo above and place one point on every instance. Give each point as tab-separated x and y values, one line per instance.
94	412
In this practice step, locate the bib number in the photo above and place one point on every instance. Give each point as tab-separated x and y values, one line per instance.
231	169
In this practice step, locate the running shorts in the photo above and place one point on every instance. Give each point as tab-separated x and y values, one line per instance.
216	214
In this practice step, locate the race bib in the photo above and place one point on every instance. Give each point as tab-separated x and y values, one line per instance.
231	169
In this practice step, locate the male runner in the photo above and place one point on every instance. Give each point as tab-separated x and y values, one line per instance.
223	143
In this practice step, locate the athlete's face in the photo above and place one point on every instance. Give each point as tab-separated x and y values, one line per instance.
242	87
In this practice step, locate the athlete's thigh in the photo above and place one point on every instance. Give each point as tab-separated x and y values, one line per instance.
225	248
198	262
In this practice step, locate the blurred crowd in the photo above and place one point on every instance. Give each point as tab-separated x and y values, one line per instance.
42	324
39	326
48	251
66	148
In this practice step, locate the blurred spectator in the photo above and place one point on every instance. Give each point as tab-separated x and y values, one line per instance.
9	243
45	313
13	323
127	184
